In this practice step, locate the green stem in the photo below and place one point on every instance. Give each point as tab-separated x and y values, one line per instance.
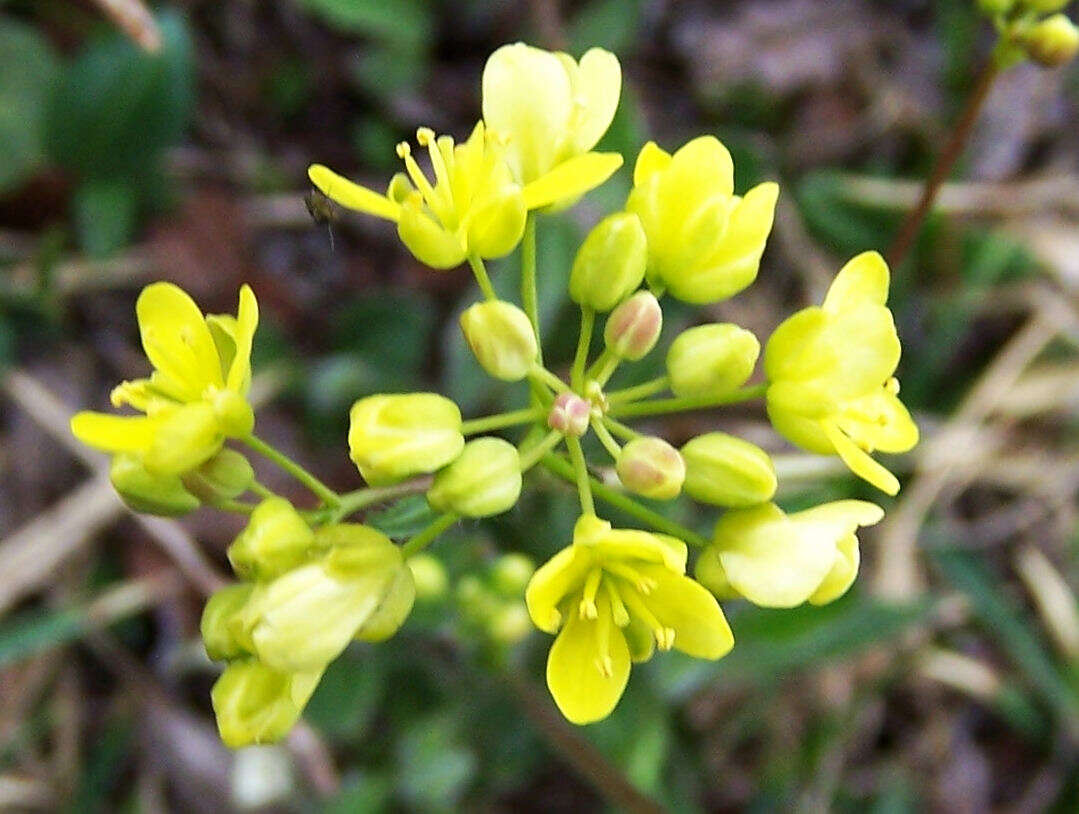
480	271
352	502
640	391
548	378
324	492
580	475
565	470
499	421
620	429
530	455
605	438
584	342
686	403
233	506
429	534
263	492
603	368
529	296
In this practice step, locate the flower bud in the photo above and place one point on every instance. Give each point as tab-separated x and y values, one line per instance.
610	263
633	327
652	468
225	476
727	471
147	493
254	703
711	360
484	480
395	608
429	577
511	574
570	415
394	436
216	626
501	337
275	540
1052	42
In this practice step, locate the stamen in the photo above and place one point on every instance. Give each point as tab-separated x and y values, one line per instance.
642	583
664	636
588	608
603	646
416	174
618	607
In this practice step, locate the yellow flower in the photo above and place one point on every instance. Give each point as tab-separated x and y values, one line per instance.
611	597
196	395
704	242
255	703
474	207
830	371
551	111
777	560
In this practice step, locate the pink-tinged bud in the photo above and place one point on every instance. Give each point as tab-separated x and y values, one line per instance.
652	468
570	415
633	327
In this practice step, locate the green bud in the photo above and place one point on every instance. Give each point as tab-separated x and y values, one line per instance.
225	476
483	481
633	327
217	627
510	624
501	337
1052	42
395	608
511	573
651	468
711	574
392	437
610	263
570	415
727	471
429	577
147	493
275	540
254	703
711	360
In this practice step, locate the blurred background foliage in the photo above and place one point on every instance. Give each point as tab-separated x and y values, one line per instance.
945	681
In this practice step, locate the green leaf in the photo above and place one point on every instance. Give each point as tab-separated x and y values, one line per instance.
403	22
105	214
405	518
28	74
349	694
117	107
35	631
433	766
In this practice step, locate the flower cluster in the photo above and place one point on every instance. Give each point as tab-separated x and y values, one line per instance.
310	582
1032	29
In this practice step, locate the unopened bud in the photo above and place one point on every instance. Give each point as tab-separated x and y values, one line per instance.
255	703
484	480
148	493
1052	42
391	613
570	415
429	577
727	471
511	573
711	360
501	336
394	436
652	468
275	540
216	626
633	327
225	476
610	263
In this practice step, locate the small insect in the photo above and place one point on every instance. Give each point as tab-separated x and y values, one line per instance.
322	211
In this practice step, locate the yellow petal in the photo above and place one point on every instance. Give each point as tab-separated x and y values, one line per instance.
865	347
702	167
893	430
584	689
768	559
571	179
651	159
561	575
859	462
183	439
680	603
429	241
863	281
629	544
596	86
177	341
496	223
842	575
114	433
785	356
350	195
735	262
247	320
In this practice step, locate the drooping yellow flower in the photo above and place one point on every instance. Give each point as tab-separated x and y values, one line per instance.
552	110
830	371
704	242
196	395
255	703
612	597
474	207
777	560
